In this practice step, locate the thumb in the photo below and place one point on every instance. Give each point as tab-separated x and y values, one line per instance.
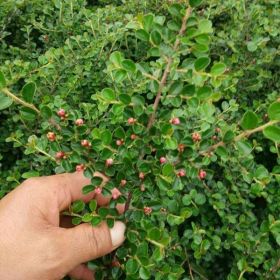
85	243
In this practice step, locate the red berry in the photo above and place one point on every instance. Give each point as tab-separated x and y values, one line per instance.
181	173
116	193
175	121
51	136
98	190
119	142
80	167
196	137
109	162
202	174
148	210
85	143
181	148
133	136
141	176
162	160
131	121
115	264
60	155
123	182
61	113
79	122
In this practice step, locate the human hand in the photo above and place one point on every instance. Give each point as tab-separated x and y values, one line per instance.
32	243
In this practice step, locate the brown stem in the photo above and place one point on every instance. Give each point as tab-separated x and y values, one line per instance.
129	197
20	101
242	135
168	67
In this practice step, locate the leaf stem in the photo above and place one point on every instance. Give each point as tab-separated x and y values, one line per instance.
20	101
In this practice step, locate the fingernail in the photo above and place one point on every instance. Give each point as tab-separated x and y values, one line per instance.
117	234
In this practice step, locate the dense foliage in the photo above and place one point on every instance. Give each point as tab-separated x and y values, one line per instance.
176	102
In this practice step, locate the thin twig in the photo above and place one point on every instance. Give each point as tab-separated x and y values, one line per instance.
242	135
20	101
168	67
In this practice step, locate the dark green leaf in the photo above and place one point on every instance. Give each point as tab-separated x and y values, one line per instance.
155	37
87	189
204	92
92	205
195	3
201	63
78	206
28	114
142	35
96	221
129	65
229	136
2	80
46	112
28	92
148	22
125	99
249	121
131	266
106	137
108	94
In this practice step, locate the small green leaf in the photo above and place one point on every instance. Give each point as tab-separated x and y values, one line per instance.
2	80
175	10
96	221
119	75
125	99
28	114
201	63
46	112
92	205
218	69
28	92
142	35
167	169
78	206
119	133
229	136
148	21
205	26
171	144
272	133
30	174
200	199
116	58
110	222
131	266
96	181
87	218
249	121
274	111
129	65
155	37
204	92
5	101
195	3
87	189
106	137
174	220
244	147
108	94
144	273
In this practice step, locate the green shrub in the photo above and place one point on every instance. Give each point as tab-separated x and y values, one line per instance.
181	102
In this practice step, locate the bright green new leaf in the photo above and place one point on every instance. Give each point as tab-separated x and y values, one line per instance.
116	58
274	111
218	69
148	21
108	94
273	133
249	121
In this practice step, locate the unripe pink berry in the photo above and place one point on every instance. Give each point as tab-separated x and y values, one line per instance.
80	167
162	160
51	136
98	190
196	137
119	142
109	162
79	122
202	174
116	193
142	188
175	121
181	173
60	155
61	113
218	130
133	136
85	143
141	176
148	210
131	121
123	182
215	137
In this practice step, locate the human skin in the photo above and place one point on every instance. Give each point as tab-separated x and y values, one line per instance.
34	245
